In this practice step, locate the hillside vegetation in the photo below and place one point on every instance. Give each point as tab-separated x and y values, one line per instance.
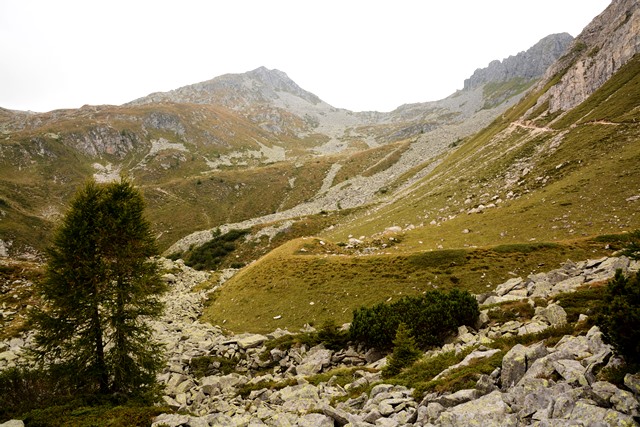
518	195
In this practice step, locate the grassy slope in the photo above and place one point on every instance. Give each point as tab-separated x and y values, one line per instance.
287	281
41	168
581	173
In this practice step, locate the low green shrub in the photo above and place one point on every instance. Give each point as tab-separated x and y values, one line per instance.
210	255
332	337
204	366
430	318
23	390
43	399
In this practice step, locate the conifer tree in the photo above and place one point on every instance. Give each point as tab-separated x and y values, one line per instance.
100	289
405	352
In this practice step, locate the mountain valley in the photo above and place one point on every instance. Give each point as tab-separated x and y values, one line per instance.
520	188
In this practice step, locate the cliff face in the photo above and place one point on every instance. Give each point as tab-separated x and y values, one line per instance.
605	45
529	64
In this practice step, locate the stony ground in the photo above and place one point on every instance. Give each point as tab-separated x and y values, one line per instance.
535	385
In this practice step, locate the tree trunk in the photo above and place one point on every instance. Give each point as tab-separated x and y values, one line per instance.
101	367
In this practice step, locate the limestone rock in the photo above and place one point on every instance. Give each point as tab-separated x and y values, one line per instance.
572	371
509	285
621	400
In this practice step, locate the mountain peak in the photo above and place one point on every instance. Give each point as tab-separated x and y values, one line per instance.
261	85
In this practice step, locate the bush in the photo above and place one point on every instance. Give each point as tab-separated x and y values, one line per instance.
430	318
210	255
332	337
619	319
22	390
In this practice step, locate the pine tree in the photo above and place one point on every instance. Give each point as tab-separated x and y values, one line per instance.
619	318
101	287
405	352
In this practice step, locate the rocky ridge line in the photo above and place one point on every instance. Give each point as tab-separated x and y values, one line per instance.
603	47
528	64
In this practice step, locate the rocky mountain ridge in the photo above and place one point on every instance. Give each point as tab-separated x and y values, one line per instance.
526	65
603	47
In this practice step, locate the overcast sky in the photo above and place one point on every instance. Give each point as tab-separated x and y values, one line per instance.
359	55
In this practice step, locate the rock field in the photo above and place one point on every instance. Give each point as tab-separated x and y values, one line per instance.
536	385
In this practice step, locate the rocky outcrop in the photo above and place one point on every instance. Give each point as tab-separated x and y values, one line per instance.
605	45
527	65
564	279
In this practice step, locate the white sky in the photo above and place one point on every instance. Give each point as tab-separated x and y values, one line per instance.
359	55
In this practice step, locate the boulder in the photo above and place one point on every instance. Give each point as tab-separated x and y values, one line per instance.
509	285
457	398
572	371
567	285
314	361
532	327
620	400
555	315
633	383
315	420
591	415
249	341
487	411
221	420
514	366
13	423
339	417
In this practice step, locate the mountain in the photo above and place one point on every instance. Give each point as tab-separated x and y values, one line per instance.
534	187
245	148
526	65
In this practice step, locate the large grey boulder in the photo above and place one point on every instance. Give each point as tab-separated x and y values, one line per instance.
510	285
339	416
247	341
302	398
572	371
487	411
13	423
633	383
620	400
315	420
514	366
555	315
314	361
590	414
